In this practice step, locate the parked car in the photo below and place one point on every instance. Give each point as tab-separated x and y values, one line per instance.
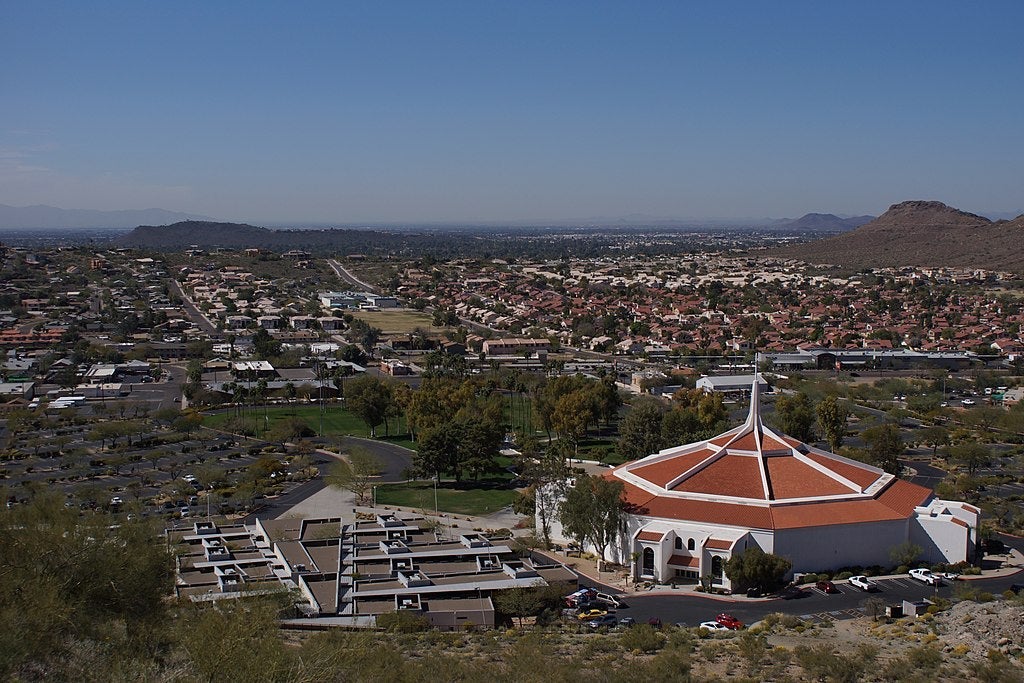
792	593
591	614
925	576
606	621
949	576
654	622
826	587
1016	588
713	626
626	622
609	600
579	597
863	583
729	621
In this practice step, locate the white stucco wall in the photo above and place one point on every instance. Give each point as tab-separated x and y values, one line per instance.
840	545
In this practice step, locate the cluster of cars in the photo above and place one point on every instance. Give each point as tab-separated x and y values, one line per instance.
723	622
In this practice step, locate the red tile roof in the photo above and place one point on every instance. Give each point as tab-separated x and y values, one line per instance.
747	442
718	544
684	561
650	536
661	473
828	514
730	475
902	496
791	478
861	476
643	503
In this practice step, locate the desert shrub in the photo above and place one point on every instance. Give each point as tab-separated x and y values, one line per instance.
642	637
403	621
821	663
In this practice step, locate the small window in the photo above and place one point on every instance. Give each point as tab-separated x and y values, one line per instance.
691	545
679	543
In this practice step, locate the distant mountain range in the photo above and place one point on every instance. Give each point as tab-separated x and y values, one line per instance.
822	222
42	217
922	233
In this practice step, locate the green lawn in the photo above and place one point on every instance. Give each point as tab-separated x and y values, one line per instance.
337	421
462	501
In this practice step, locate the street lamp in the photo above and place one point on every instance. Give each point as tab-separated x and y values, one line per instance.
374	488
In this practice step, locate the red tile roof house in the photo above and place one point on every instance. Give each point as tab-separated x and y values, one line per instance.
692	507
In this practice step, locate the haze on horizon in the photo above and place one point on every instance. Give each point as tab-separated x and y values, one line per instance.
462	112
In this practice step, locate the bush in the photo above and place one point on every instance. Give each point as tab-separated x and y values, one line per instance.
403	621
842	576
642	637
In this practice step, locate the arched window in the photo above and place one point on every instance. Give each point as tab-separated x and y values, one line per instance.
679	543
691	545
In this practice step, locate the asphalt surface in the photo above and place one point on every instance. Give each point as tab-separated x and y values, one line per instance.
815	606
394	460
348	277
194	313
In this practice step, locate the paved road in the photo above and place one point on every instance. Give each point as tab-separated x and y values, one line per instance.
194	313
348	277
816	606
925	475
395	460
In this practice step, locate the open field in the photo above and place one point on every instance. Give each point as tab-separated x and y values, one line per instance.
462	501
398	320
337	421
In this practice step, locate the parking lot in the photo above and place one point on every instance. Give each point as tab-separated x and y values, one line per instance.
814	606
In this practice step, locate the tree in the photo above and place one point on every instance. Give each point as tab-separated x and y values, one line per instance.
592	511
754	567
885	447
572	413
934	436
264	345
905	554
369	398
355	473
971	455
640	432
526	601
796	416
832	420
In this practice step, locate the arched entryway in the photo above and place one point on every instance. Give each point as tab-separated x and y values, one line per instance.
647	563
717	569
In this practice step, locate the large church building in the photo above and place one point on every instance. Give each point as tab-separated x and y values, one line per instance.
692	507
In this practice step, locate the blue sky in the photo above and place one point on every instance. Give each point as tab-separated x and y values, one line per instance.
355	112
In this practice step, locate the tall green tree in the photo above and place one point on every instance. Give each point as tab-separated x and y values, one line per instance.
795	416
369	398
640	431
592	511
754	567
832	417
885	447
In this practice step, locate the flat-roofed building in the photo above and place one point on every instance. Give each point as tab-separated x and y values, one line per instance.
350	572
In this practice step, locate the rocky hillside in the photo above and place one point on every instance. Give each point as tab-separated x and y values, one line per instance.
922	233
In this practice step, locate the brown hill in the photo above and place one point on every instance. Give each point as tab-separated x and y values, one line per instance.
922	233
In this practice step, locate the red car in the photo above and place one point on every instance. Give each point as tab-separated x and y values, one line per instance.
826	587
729	621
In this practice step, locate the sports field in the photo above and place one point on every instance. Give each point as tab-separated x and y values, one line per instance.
398	320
